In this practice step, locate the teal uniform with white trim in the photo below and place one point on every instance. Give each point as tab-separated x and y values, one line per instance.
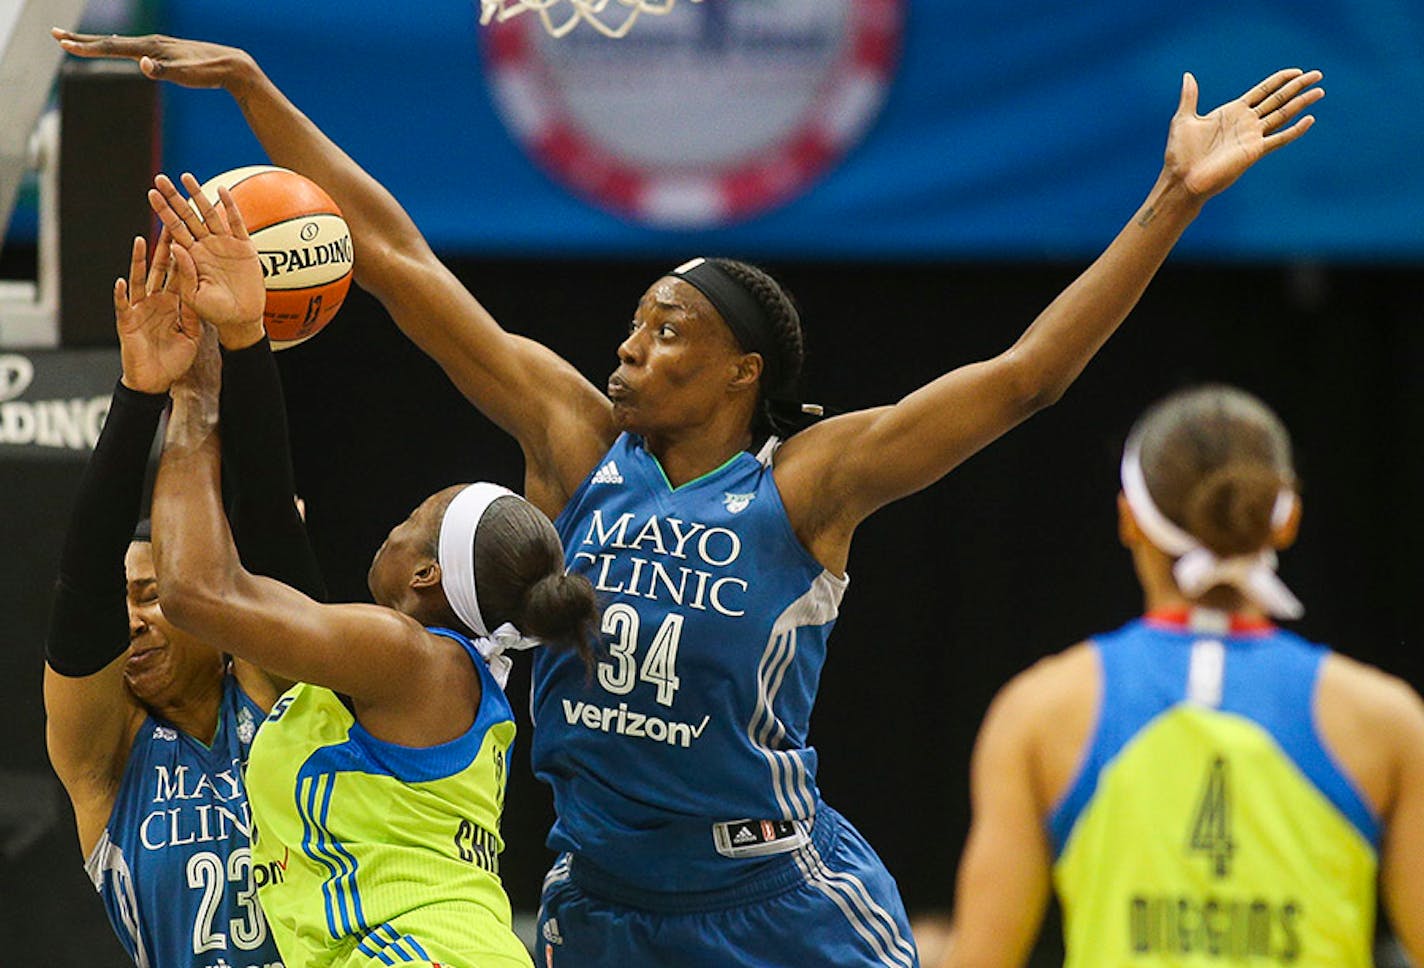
682	775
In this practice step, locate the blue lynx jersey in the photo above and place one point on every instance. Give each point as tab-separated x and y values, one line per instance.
174	864
714	628
1210	824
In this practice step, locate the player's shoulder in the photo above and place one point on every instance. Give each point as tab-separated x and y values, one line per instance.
825	439
1379	698
1055	686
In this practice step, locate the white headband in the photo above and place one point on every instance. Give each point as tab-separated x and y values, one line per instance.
457	574
1197	568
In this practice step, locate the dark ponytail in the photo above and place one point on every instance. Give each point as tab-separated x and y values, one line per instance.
519	567
560	608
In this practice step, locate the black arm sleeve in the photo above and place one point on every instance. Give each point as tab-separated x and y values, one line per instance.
89	624
270	536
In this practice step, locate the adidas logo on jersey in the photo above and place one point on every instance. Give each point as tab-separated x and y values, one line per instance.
164	733
608	474
744	835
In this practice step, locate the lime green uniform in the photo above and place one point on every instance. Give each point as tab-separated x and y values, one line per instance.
368	853
1209	824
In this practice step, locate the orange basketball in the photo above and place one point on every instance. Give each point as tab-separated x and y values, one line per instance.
303	242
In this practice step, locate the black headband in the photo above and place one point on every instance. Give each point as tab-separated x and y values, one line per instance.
740	310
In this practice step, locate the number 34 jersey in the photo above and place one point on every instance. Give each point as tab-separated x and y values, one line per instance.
713	633
174	865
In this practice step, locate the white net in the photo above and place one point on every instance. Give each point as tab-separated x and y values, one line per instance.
610	18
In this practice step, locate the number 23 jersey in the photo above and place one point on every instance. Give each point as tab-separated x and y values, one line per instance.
712	637
174	864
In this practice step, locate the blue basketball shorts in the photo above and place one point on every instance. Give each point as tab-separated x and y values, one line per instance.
832	903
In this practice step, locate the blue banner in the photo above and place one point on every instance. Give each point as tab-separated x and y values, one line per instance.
1024	130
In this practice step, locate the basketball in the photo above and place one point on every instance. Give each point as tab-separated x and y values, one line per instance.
303	242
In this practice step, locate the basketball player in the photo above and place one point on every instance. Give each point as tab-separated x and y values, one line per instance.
689	823
149	727
1200	786
377	782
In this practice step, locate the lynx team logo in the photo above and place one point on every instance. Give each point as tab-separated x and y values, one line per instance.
712	113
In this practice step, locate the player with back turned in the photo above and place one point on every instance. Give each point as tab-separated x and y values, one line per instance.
1201	787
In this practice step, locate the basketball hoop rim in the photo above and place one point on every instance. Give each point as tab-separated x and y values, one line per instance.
579	11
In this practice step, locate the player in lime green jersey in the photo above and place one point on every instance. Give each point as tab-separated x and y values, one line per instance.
377	784
1199	787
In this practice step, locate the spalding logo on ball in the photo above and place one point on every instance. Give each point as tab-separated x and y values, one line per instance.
303	242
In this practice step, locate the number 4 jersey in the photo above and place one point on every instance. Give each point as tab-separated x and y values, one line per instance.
174	865
682	761
1209	824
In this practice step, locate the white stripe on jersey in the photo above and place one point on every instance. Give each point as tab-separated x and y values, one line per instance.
868	918
819	605
558	873
108	856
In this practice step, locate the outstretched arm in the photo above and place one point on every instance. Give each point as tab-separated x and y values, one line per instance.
862	461
561	420
407	685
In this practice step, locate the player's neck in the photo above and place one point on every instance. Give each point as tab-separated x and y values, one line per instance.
686	457
196	714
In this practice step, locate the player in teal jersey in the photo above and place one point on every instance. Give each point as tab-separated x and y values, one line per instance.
377	782
1200	787
663	866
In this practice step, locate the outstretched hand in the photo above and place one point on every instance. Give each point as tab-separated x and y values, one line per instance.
217	266
190	63
158	333
1209	152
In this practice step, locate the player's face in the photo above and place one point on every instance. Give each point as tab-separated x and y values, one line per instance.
163	663
406	549
676	363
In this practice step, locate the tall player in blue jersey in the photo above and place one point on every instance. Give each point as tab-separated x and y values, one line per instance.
689	821
149	728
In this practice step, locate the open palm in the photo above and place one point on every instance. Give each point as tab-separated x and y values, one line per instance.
1209	152
218	270
227	284
158	333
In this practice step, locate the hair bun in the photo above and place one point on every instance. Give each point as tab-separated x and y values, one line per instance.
1229	509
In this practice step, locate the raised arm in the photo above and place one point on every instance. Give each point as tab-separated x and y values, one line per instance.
561	420
408	685
90	715
862	461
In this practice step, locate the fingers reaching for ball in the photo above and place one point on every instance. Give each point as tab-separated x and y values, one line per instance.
216	263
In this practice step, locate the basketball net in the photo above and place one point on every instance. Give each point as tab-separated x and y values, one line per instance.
561	16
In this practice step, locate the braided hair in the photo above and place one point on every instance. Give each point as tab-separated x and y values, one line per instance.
778	412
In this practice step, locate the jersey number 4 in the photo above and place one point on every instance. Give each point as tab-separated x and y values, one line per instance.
1211	823
620	672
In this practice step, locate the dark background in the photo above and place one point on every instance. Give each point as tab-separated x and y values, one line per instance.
953	590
